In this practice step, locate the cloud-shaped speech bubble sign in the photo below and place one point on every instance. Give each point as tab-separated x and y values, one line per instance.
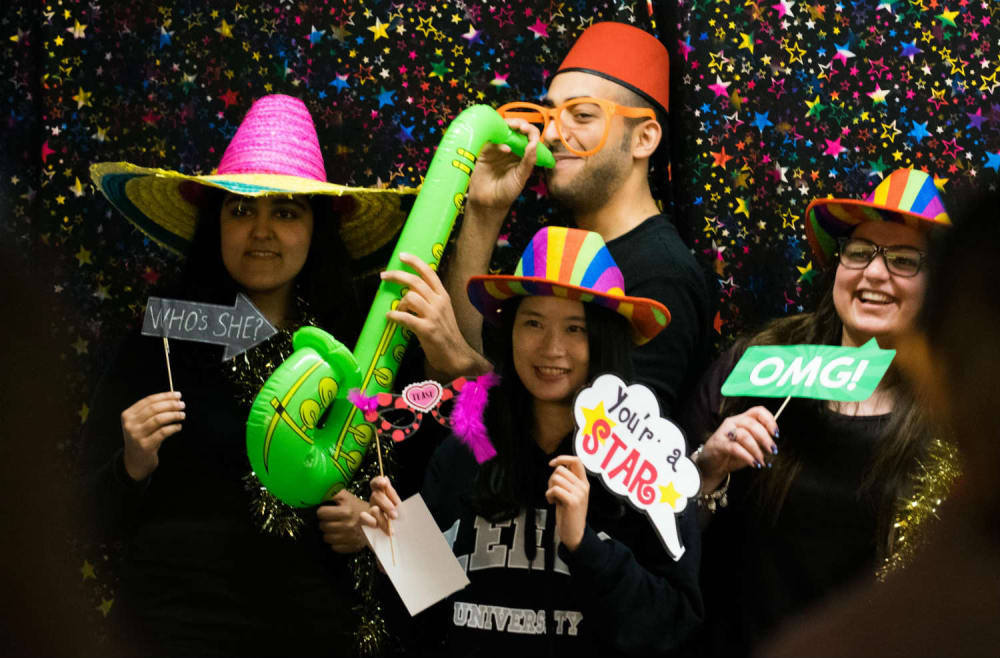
639	455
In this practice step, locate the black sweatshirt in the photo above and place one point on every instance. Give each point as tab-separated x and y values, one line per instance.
619	593
198	576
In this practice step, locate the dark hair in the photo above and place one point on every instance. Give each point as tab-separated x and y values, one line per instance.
325	282
904	438
505	484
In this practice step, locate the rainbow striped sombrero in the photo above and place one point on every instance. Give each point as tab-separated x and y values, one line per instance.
906	196
570	263
275	151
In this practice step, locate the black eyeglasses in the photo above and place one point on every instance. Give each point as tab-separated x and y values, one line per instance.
858	253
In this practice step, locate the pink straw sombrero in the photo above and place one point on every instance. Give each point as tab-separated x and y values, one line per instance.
275	151
574	264
906	196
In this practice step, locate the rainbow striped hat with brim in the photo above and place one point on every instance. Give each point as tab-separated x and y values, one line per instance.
574	264
906	196
275	151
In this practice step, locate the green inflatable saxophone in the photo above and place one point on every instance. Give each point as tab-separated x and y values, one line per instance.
305	440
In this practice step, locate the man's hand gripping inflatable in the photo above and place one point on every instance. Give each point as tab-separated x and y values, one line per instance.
305	440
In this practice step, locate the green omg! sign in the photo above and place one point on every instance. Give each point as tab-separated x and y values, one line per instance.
822	372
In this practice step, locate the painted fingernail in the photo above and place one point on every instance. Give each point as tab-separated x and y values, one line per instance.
770	464
731	436
757	465
777	433
774	450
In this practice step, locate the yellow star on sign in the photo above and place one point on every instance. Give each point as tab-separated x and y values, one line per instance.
225	29
593	415
669	495
87	570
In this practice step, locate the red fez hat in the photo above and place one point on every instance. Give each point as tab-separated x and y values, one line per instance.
626	55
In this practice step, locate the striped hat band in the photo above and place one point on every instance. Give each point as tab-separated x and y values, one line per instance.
572	264
906	196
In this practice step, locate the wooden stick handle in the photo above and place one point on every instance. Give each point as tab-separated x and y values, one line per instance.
166	355
782	407
381	472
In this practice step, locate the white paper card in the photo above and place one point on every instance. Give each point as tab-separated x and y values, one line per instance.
425	570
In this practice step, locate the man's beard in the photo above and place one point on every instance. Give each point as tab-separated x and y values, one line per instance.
594	184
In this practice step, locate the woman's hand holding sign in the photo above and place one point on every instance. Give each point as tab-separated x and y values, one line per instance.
145	426
569	490
740	441
819	372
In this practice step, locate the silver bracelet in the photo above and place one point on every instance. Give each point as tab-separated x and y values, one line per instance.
713	499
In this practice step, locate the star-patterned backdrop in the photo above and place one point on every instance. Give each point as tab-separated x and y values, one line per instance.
773	103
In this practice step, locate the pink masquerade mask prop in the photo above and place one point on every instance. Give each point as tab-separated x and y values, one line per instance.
386	410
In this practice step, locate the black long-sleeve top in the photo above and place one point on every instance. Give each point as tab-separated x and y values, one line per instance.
198	576
655	263
760	569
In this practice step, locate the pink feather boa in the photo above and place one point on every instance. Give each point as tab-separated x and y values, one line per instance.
467	416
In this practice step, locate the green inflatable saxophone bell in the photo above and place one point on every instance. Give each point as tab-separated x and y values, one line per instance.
305	440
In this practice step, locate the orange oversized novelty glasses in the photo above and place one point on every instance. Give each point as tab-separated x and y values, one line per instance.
575	114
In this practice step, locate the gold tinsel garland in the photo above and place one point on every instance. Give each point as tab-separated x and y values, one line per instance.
931	482
371	636
248	373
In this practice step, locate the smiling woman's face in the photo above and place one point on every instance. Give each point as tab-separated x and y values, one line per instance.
265	240
551	350
873	302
